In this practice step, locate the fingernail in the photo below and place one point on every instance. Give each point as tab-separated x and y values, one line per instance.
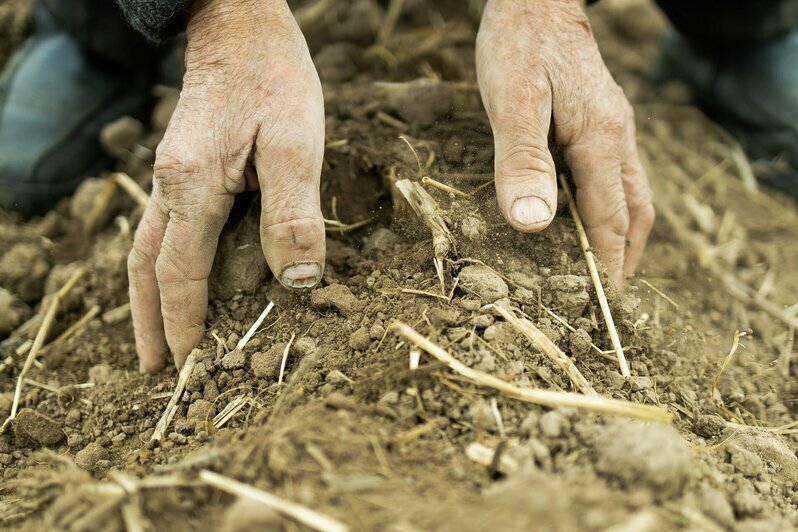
301	274
530	210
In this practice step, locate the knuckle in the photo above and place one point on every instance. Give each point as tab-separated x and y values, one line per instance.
520	96
611	213
143	254
521	160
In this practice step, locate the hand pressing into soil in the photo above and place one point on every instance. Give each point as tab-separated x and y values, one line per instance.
542	77
251	114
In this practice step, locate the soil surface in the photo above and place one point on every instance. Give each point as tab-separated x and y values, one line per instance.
350	430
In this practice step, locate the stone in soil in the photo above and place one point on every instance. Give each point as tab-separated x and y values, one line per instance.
651	456
31	427
336	296
483	282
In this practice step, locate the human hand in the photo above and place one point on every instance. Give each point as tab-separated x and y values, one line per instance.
251	97
541	75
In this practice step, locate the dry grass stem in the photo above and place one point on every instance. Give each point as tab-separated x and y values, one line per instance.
75	329
443	187
38	342
285	359
391	121
390	20
232	408
302	514
786	354
252	330
426	208
130	186
548	348
594	275
171	407
335	226
735	344
598	405
660	293
734	286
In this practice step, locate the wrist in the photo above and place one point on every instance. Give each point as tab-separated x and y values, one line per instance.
215	24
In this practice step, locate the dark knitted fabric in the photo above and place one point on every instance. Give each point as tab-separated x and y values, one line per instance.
155	19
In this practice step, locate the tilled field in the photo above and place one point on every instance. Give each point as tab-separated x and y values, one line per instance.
322	406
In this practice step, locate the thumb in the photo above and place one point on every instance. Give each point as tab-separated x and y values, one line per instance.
526	182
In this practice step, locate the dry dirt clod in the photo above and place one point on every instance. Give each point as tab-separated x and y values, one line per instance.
473	228
745	461
235	359
89	457
772	449
580	343
200	410
31	427
360	339
651	456
23	270
304	346
708	426
715	505
266	364
12	312
746	503
483	283
199	375
336	296
569	294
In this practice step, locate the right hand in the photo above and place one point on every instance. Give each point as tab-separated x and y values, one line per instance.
251	95
541	74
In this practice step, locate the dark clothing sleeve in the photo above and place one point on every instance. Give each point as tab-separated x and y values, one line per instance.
731	22
155	19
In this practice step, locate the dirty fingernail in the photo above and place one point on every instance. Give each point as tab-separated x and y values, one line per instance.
301	274
530	210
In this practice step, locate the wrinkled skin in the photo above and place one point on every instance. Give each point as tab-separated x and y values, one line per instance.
546	79
251	115
253	101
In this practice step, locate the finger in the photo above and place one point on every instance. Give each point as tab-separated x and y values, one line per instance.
595	162
145	302
196	218
526	183
292	227
638	200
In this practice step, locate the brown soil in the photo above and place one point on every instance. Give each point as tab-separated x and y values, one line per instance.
354	433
